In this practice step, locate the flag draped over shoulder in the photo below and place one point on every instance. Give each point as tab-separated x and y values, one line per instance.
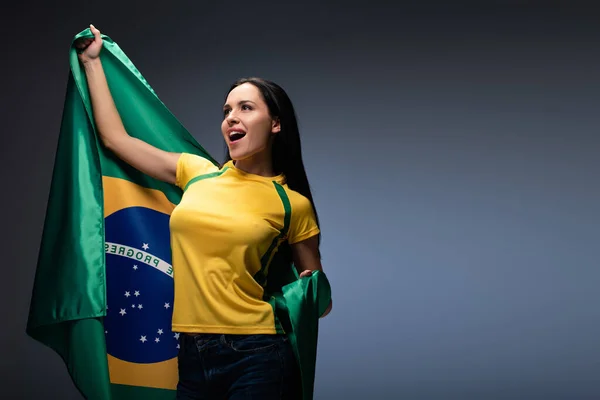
103	289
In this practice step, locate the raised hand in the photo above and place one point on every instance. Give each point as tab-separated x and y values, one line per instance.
88	49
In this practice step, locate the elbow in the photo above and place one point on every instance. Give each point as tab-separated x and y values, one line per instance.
113	142
107	143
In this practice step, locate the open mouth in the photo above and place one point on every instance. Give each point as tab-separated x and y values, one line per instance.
236	135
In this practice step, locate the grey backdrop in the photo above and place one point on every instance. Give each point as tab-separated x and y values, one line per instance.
454	163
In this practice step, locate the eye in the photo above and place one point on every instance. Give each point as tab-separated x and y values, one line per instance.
226	111
246	107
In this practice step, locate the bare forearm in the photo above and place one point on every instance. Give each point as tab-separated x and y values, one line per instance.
140	155
106	117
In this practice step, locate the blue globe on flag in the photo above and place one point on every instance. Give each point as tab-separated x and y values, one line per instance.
139	286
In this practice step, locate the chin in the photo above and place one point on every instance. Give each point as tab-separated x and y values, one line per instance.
234	155
242	154
237	155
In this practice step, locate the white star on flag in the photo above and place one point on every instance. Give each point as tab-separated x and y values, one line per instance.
145	246
143	339
178	345
127	294
167	305
140	307
133	306
157	340
135	267
136	293
160	332
122	312
176	336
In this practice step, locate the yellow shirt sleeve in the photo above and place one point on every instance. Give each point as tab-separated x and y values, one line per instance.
190	166
303	224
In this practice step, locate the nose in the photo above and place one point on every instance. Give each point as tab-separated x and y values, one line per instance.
231	118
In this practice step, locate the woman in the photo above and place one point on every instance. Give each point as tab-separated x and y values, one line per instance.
225	233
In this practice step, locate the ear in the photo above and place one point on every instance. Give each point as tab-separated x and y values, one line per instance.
276	126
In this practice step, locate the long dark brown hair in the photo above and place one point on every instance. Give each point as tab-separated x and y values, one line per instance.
287	149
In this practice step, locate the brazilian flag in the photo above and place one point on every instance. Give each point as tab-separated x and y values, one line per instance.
103	290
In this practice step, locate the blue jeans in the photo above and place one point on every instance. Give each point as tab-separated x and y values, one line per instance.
237	367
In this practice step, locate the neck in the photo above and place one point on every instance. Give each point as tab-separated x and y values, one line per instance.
259	164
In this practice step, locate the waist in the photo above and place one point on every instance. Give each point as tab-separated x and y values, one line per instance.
220	309
238	343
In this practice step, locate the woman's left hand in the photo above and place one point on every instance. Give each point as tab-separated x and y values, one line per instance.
305	273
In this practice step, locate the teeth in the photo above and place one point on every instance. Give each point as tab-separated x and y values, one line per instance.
234	135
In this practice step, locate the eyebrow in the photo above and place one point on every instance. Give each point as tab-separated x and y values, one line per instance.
239	103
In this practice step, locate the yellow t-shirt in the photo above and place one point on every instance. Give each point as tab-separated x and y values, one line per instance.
224	232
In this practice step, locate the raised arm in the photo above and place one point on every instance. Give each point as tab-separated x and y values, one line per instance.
146	158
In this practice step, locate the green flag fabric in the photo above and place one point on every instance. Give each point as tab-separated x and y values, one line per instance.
103	288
